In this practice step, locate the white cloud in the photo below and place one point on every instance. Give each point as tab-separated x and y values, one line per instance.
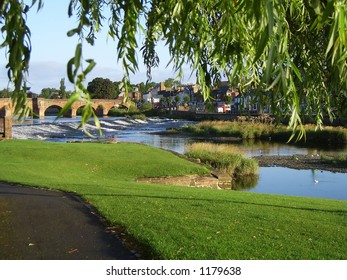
48	75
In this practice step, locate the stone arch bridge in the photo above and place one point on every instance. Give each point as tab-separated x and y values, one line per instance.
100	106
40	105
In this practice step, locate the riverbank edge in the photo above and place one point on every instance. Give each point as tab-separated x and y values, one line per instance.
299	162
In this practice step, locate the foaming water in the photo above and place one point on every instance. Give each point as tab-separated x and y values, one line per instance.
118	129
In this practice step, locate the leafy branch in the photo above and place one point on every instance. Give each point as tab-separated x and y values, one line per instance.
295	52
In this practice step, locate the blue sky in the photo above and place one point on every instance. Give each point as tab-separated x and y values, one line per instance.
51	49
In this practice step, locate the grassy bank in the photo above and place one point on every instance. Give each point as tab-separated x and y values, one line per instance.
244	130
178	222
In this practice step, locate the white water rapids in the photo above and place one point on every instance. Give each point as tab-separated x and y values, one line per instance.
117	129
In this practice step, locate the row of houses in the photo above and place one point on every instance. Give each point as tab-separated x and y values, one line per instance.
185	92
225	98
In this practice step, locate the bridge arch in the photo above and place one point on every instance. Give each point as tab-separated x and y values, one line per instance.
108	108
98	110
100	106
40	105
52	110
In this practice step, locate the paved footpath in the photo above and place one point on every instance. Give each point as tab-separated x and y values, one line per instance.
40	224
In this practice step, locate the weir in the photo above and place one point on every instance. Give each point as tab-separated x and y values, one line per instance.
39	106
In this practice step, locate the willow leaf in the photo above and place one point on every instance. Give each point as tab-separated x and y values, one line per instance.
71	100
264	39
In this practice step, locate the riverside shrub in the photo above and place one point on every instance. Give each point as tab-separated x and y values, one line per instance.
223	157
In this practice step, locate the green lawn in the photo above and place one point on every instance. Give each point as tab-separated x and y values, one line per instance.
174	222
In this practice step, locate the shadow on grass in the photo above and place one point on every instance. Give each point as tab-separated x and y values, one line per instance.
214	200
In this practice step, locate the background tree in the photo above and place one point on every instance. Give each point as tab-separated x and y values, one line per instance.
5	93
177	99
186	99
101	88
50	93
171	83
150	85
62	89
168	83
227	99
118	88
145	87
45	93
170	101
31	94
142	87
163	102
146	106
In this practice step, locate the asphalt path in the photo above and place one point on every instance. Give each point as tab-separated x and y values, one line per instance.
37	224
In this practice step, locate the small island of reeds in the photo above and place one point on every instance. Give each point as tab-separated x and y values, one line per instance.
224	157
245	130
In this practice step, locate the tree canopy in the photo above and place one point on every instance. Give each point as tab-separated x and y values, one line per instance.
171	83
294	50
100	88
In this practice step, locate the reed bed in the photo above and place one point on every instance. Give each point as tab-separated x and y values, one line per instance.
246	130
224	157
231	128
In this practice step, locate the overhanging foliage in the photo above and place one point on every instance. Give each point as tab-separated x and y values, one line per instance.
294	50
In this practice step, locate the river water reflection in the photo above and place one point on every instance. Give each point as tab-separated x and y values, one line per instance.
310	183
273	180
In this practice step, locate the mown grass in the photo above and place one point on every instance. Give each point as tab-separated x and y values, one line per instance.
174	222
227	158
244	130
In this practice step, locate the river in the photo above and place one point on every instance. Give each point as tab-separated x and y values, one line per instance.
272	180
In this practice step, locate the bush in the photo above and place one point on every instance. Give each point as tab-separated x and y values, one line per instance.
146	106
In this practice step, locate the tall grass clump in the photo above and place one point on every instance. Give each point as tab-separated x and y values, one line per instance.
336	135
224	157
327	135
